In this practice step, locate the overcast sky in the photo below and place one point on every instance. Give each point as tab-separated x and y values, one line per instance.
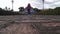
34	3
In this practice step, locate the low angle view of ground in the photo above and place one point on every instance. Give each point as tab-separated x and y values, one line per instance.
29	16
30	24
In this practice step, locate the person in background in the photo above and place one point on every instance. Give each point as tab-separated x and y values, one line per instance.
28	8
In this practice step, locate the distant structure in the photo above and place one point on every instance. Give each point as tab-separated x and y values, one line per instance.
12	4
26	10
43	4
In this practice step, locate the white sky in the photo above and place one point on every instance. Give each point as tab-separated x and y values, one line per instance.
34	3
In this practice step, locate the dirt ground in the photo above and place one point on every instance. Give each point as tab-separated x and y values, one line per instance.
21	28
29	24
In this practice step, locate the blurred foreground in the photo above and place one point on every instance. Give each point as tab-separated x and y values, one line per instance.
30	24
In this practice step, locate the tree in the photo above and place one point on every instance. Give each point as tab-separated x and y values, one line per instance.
21	9
0	9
